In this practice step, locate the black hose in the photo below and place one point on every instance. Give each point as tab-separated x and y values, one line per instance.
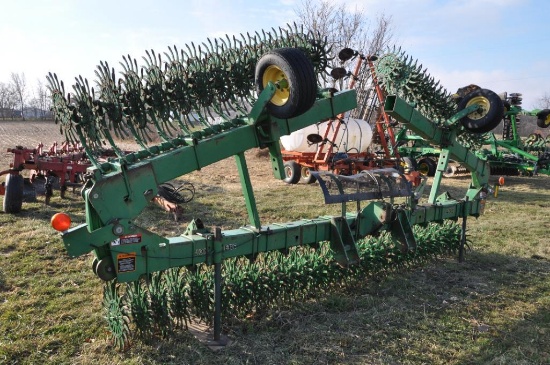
180	195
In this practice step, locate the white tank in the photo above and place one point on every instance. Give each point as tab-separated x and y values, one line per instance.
354	136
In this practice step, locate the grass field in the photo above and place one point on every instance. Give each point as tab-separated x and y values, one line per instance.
494	308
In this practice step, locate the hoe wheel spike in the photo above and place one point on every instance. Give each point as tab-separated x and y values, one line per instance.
210	80
401	75
116	315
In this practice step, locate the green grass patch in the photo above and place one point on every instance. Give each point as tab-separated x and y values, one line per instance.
491	309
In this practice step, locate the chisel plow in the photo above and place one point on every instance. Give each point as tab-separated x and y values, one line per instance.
194	107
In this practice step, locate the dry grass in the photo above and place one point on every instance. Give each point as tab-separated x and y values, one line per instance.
492	309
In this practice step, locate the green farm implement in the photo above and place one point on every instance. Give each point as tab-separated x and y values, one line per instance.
218	100
508	154
513	155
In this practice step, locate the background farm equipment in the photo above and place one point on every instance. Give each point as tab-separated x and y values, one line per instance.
508	154
368	138
60	166
40	171
423	156
513	155
261	88
360	140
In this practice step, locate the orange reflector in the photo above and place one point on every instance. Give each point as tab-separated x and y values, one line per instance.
501	181
61	222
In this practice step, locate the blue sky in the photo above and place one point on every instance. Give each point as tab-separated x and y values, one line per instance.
503	45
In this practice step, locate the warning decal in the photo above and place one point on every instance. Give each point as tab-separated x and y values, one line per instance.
126	262
130	238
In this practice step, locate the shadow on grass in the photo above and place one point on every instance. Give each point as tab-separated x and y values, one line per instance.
534	182
490	309
516	188
522	197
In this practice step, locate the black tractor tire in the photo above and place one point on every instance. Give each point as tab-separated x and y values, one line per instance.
293	172
426	166
306	176
543	118
292	67
488	117
13	198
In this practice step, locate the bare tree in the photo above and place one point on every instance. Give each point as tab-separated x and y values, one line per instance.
381	36
43	99
349	29
544	101
3	100
343	28
8	100
20	86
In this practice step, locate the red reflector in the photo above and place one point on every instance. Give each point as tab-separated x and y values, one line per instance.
61	222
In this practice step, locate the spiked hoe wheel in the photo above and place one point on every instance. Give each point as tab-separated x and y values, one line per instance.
182	89
116	315
403	76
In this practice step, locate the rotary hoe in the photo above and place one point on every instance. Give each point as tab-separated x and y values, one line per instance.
216	100
509	155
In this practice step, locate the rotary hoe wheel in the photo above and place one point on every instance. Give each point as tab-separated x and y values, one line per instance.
116	315
294	77
489	114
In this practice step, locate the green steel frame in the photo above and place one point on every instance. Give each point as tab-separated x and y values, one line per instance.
120	189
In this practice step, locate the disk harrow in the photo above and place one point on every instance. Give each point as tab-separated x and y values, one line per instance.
454	169
278	94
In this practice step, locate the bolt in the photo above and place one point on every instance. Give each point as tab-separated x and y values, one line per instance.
118	229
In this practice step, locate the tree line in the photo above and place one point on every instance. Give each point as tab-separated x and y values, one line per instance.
18	101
